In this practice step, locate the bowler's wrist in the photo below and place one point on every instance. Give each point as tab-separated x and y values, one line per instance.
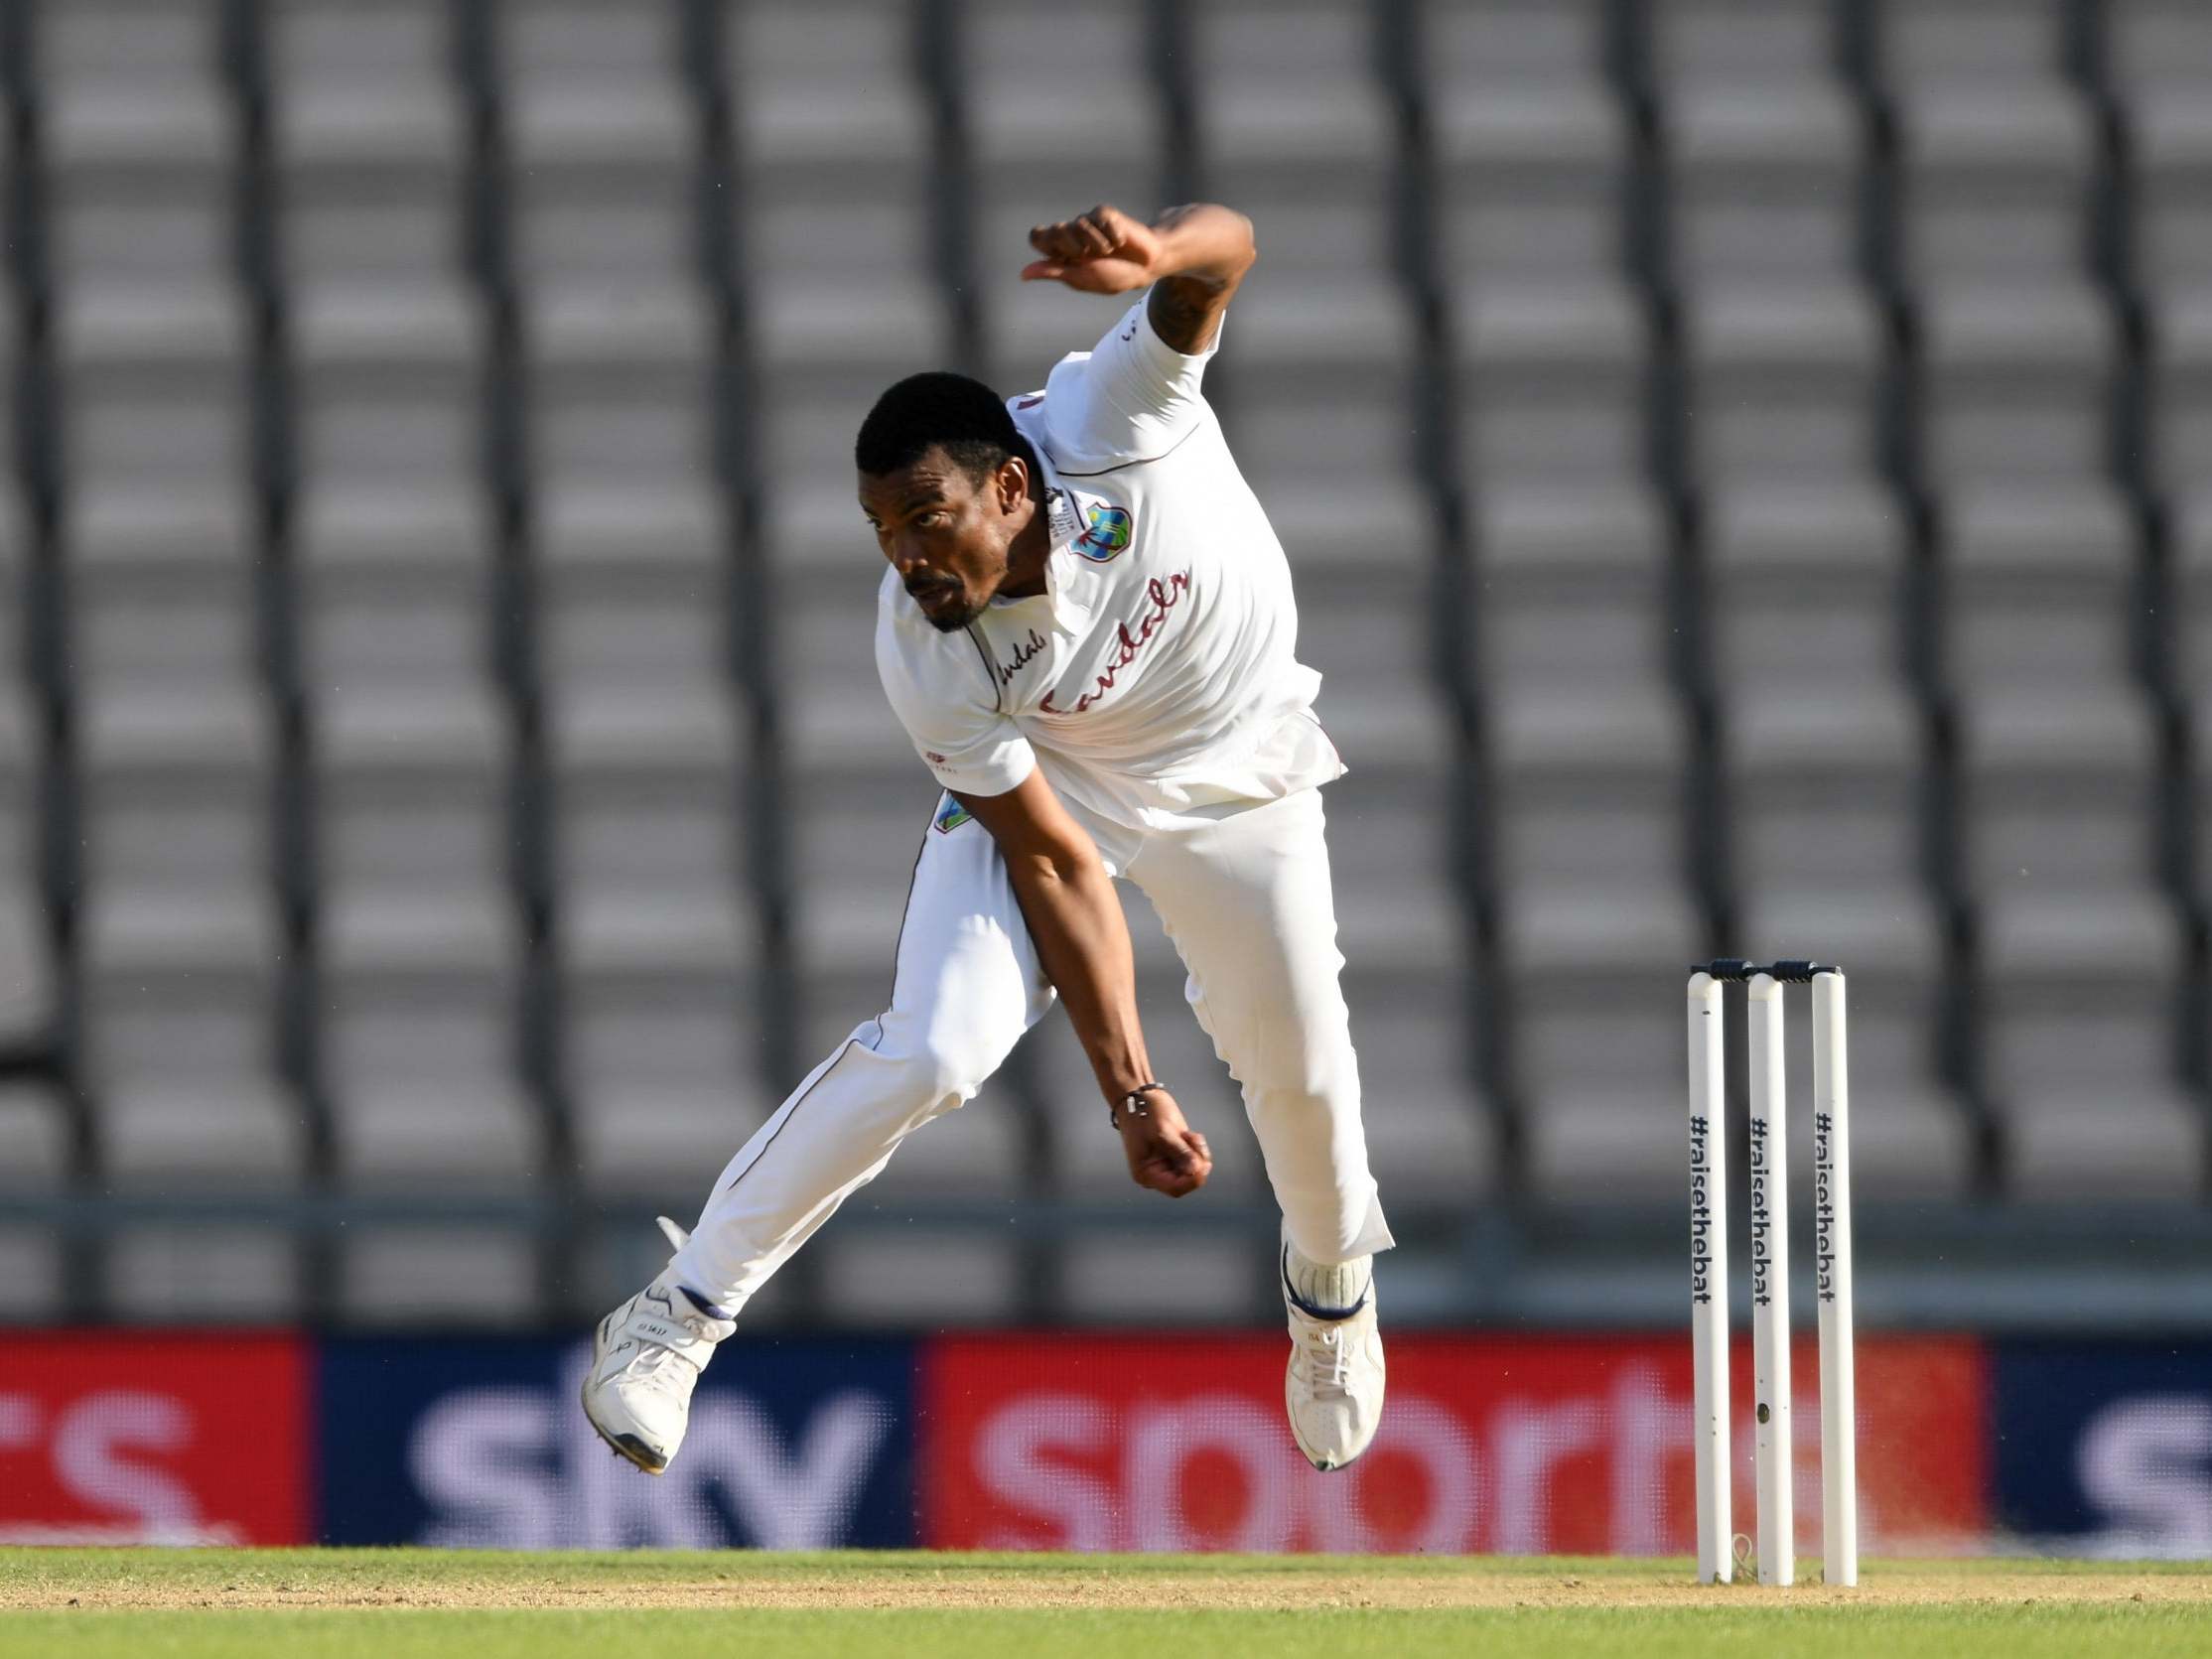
1135	1105
1202	241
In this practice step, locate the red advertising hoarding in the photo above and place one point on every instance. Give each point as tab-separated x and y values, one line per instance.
1540	1444
124	1438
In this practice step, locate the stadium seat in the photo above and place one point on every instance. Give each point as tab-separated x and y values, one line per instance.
649	790
29	989
622	432
909	1277
388	387
1569	596
1806	584
204	1274
1293	124
1826	789
177	787
2157	57
1949	42
2039	587
1790	44
1552	382
1474	56
2189	566
2059	788
659	1035
179	990
601	143
1586	788
394	592
477	1277
37	1140
1785	384
835	148
412	791
368	134
2016	383
2081	999
1032	125
1166	1275
152	389
2180	388
420	992
30	1282
163	593
139	135
1763	179
1532	174
15	527
1996	179
22	800
632	584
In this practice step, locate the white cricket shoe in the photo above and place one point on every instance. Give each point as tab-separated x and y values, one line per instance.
646	1357
1334	1387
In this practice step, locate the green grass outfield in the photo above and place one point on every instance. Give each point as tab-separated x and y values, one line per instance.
411	1604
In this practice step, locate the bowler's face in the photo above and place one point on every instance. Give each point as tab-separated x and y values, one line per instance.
945	532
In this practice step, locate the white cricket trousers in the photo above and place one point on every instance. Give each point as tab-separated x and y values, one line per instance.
1245	896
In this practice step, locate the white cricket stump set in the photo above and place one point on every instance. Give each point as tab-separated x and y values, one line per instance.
1770	1249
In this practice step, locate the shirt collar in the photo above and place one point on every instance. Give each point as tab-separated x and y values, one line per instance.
1064	583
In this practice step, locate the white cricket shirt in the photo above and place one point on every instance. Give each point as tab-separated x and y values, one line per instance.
1158	671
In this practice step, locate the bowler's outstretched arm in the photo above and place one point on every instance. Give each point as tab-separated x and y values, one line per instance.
1082	939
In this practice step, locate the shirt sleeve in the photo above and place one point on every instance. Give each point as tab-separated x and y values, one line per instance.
1131	398
957	729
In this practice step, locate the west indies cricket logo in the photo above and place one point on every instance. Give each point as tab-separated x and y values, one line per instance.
1109	532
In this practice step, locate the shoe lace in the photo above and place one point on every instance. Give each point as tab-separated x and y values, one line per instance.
1327	1362
660	1367
665	1369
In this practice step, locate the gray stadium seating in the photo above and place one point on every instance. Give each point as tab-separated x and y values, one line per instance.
1742	459
205	1273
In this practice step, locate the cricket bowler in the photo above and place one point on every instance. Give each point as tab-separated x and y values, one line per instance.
1086	626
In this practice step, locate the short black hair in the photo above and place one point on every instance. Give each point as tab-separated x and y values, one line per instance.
939	408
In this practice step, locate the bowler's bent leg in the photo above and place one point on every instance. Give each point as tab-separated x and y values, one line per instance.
968	985
1246	899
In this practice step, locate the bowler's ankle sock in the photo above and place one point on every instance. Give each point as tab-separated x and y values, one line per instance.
704	1305
1327	1291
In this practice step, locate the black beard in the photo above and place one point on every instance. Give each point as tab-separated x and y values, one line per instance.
952	621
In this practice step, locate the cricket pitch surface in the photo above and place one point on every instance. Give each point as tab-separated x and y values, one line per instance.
401	1604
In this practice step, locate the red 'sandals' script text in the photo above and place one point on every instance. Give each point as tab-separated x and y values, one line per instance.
1164	596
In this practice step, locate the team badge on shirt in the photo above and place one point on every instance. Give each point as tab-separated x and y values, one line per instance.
1108	534
950	816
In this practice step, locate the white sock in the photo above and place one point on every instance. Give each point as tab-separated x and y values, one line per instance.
1327	1289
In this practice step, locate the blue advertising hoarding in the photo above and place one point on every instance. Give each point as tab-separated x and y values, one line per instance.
2103	1448
794	1445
